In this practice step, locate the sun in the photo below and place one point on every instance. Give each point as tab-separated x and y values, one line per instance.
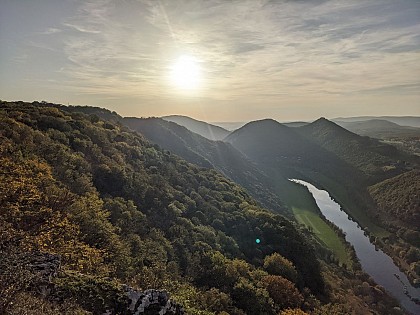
186	73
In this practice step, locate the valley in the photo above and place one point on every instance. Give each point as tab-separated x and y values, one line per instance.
373	261
147	212
361	160
209	157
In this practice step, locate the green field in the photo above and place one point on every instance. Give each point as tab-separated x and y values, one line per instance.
324	233
355	211
306	212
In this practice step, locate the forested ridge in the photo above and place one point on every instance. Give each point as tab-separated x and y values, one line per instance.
398	201
75	183
113	205
211	154
400	197
377	161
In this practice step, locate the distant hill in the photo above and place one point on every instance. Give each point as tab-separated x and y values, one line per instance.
211	154
380	129
325	154
269	142
204	129
412	121
229	125
284	153
295	123
377	160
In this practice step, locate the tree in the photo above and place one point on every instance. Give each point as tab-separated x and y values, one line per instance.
283	292
275	264
251	299
293	311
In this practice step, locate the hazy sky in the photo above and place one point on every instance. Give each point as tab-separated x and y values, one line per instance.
289	60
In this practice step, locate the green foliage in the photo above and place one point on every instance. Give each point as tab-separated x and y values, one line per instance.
112	204
375	159
276	264
399	199
293	311
283	292
27	303
331	309
210	154
92	293
251	299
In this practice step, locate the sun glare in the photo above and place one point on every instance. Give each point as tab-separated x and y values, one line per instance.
186	73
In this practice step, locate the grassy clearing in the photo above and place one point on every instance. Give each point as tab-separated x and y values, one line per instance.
306	212
324	233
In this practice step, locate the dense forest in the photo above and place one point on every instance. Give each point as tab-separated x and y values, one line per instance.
116	209
211	154
346	165
399	197
375	159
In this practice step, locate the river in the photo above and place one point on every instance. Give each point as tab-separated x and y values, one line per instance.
374	261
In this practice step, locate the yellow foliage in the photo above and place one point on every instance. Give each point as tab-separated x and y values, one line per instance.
293	311
33	212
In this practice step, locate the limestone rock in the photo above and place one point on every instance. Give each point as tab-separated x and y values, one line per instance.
152	300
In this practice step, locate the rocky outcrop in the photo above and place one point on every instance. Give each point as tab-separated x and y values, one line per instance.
153	302
45	267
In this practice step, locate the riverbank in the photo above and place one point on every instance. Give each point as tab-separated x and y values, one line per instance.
373	260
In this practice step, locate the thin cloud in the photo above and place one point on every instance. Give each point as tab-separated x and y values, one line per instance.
81	28
249	51
51	30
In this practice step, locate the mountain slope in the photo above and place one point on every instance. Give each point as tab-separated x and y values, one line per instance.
399	199
284	153
411	121
273	145
206	153
169	136
381	129
377	160
117	208
404	138
230	126
204	129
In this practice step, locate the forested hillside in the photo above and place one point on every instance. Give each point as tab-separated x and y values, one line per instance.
398	204
113	205
375	159
344	164
88	205
399	197
202	128
284	153
212	154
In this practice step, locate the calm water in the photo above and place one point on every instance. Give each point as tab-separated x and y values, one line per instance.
374	262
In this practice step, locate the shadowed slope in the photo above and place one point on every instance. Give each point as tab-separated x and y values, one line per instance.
211	154
204	129
377	160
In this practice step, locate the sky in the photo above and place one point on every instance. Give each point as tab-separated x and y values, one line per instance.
253	59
